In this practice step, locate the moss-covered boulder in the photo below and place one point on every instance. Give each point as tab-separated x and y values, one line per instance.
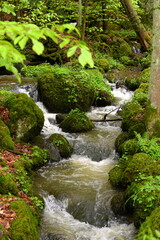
102	64
26	118
119	48
5	137
65	149
7	185
132	83
26	225
150	229
103	98
139	128
120	140
63	90
76	121
116	176
141	163
130	147
132	114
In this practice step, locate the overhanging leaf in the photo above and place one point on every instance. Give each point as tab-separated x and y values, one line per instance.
72	51
37	46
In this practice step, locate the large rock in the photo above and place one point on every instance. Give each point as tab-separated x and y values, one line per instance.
76	121
63	92
62	89
26	118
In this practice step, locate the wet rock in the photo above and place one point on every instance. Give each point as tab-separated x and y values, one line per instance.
26	118
118	204
76	121
59	141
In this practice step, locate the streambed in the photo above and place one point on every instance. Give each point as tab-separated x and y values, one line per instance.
76	191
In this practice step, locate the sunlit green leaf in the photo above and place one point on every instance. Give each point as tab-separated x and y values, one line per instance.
37	46
72	51
64	42
23	42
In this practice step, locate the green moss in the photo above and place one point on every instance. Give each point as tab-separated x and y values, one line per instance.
130	147
76	121
5	138
104	98
23	180
3	234
150	229
102	64
145	76
7	185
25	226
139	128
120	48
26	118
79	88
120	140
132	83
132	114
143	87
116	176
141	163
65	149
143	194
141	98
126	60
76	88
38	158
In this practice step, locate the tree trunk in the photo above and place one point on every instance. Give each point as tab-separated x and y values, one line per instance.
154	90
84	20
104	14
137	25
79	14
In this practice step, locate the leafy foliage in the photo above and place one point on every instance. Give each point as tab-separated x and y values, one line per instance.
20	34
149	146
146	192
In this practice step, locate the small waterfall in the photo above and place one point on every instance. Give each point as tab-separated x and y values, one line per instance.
136	49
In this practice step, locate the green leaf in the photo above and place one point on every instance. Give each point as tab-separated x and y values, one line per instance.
51	34
64	42
86	58
72	51
23	42
37	46
17	39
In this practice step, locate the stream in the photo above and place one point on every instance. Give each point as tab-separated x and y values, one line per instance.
76	190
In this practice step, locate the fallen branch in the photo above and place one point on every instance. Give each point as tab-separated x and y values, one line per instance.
107	120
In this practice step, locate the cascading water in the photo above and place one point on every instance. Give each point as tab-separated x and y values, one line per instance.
76	191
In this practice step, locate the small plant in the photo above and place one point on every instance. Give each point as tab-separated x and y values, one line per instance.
146	192
37	202
149	146
58	143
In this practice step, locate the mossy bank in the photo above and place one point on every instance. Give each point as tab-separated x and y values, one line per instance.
138	170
